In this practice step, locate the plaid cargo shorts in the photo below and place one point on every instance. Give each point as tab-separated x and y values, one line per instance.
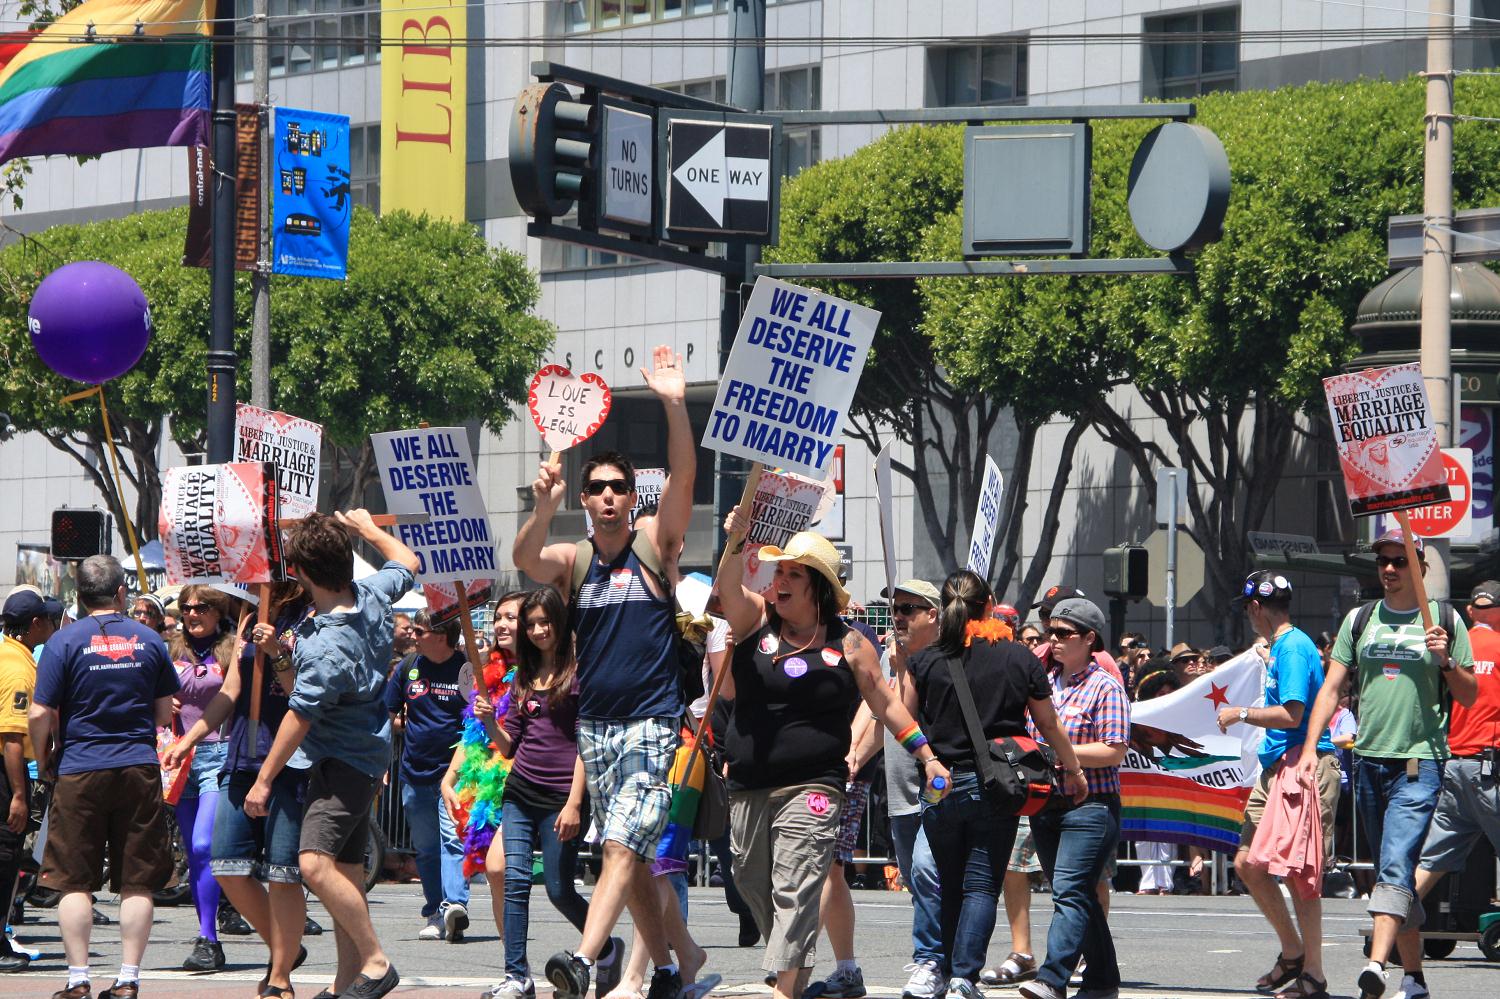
626	764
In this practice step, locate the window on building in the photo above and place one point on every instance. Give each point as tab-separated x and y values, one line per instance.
308	36
602	15
1206	59
799	89
364	165
969	75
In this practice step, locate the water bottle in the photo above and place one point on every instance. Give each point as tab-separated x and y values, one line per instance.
934	794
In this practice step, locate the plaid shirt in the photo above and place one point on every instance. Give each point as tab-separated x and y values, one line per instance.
1092	709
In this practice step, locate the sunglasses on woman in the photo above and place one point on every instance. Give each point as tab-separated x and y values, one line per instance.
196	608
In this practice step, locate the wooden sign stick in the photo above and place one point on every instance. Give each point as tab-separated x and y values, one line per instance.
1414	563
471	644
262	616
378	519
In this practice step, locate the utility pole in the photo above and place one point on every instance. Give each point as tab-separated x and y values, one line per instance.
1437	251
747	91
219	424
260	277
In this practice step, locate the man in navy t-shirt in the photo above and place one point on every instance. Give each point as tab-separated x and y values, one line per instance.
426	696
103	685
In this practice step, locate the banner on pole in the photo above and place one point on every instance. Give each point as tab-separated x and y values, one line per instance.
218	524
424	102
887	515
1182	780
290	443
986	520
784	504
431	471
790	378
1388	447
314	199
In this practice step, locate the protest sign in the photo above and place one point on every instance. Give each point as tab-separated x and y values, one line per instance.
790	379
442	598
829	517
314	200
430	471
567	408
986	519
1182	780
1388	447
290	443
783	505
887	515
218	524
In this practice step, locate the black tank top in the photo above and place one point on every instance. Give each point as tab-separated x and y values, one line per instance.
791	712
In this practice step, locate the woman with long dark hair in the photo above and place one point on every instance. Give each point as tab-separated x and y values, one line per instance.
798	674
970	837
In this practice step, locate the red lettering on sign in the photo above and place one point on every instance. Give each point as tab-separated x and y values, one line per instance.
412	26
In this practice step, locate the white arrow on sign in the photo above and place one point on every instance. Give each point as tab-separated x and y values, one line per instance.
713	178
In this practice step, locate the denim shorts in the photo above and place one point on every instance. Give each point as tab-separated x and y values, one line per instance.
264	848
203	773
1395	806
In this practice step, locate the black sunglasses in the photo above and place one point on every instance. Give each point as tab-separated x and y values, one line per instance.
596	487
1061	632
1398	561
196	608
418	632
907	610
1030	639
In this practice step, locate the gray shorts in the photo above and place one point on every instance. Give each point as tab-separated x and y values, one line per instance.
337	819
1468	807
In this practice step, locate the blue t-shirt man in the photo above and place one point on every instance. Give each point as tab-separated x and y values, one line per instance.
1294	673
104	674
435	695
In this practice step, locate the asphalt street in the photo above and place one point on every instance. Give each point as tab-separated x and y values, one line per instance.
1190	947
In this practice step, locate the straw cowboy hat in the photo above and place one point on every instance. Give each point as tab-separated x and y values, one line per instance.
817	553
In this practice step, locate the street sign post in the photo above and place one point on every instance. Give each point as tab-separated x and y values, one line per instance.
1264	543
627	181
718	178
1171	507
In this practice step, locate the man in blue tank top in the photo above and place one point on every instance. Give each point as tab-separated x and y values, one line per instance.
630	701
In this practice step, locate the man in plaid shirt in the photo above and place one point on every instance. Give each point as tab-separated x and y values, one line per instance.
1076	846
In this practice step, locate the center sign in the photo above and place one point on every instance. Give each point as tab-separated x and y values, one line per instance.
719	179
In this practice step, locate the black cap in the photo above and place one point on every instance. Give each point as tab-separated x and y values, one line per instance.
24	605
1267	586
1057	594
1486	594
1218	654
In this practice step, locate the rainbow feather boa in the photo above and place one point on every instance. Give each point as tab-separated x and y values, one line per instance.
481	777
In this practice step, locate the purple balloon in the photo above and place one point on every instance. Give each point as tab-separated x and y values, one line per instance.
89	321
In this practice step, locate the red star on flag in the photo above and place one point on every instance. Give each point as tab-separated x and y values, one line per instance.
1219	695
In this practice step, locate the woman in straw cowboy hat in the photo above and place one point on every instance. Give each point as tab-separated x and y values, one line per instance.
797	675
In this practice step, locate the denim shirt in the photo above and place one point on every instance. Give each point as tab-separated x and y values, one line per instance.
341	661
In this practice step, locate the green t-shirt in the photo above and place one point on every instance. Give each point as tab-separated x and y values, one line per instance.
1401	714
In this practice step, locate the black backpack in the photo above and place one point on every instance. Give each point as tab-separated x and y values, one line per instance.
690	652
1447	617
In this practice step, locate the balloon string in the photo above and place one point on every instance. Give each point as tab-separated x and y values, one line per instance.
114	456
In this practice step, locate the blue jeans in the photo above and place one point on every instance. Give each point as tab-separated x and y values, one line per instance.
440	855
918	870
1074	848
524	827
970	844
1395	812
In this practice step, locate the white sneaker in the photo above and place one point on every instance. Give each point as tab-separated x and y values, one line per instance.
512	988
1372	981
433	930
21	948
962	988
1411	989
924	982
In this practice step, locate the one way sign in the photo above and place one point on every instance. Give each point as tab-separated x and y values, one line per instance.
718	177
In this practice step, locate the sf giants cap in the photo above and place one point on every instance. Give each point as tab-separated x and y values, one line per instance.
1486	594
1057	594
1395	537
1265	585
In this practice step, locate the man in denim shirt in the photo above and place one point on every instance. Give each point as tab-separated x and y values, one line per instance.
338	717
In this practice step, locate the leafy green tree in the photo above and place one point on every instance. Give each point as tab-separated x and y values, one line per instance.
432	324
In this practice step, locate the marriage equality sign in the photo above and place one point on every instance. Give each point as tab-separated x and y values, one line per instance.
290	443
430	471
1182	780
1388	446
784	504
218	524
790	378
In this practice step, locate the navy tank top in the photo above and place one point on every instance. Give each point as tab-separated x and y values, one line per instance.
625	635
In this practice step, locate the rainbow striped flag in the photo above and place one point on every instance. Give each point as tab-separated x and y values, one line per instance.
89	83
687	792
1184	781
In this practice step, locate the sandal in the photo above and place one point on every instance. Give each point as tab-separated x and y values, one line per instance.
1305	987
1286	970
1013	970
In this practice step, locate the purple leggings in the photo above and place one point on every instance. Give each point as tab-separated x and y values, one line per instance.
195	817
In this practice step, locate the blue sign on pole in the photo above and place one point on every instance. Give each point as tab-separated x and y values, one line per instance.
313	202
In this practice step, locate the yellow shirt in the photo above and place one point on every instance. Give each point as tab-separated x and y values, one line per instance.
17	681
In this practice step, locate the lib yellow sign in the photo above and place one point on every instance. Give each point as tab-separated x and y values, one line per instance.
423	140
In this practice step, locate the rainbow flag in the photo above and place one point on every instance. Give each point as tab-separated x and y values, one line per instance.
687	792
65	93
1182	780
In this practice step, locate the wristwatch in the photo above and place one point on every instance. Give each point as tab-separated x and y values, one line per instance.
1244	714
1447	665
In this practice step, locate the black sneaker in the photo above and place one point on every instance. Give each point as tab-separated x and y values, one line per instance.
312	928
609	968
13	962
365	987
665	985
232	924
100	919
207	955
568	975
749	932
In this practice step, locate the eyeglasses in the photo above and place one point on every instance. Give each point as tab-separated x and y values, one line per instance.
907	610
1396	561
196	608
417	632
596	487
144	612
1061	633
1031	639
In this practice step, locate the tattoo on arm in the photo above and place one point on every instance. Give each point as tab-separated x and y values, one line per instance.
852	640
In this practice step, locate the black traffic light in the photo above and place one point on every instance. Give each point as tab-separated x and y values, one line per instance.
1125	572
552	141
77	534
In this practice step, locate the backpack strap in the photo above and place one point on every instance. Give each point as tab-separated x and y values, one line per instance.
583	556
1357	631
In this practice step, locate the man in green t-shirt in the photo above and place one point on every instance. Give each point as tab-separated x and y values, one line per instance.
1400	668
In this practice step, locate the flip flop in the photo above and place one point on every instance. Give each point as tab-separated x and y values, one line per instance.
701	987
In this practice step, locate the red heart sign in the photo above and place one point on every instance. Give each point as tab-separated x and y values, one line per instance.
567	408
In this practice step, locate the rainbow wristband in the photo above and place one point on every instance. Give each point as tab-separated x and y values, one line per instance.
911	738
